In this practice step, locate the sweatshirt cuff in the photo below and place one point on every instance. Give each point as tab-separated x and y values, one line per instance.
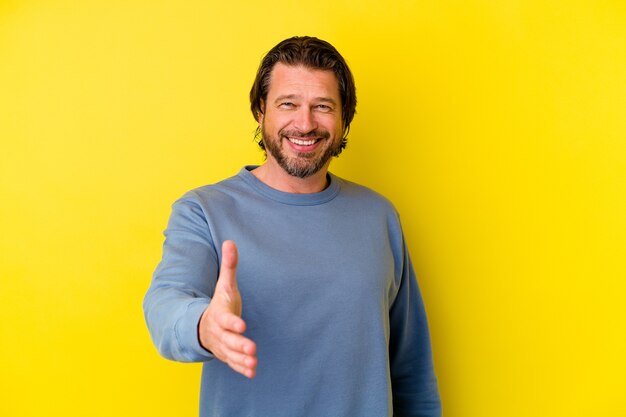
187	333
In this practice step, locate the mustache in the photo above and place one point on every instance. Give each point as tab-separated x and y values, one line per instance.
317	133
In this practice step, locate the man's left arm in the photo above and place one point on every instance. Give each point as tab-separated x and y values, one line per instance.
414	384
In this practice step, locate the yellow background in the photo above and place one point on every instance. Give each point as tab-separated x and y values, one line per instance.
498	128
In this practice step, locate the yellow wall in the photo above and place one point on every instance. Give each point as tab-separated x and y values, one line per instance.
497	127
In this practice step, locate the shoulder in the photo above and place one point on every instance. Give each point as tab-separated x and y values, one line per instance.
372	206
223	192
361	194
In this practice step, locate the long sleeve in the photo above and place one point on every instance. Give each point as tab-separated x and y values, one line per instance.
414	384
182	284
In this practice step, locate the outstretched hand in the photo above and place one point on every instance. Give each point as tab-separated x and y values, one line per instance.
221	326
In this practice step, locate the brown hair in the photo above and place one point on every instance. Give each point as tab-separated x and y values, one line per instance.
312	53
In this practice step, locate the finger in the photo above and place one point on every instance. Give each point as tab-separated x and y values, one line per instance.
237	343
241	360
228	267
230	322
245	371
227	282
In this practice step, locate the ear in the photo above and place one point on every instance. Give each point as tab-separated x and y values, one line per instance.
261	113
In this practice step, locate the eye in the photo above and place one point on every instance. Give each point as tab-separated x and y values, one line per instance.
324	107
286	105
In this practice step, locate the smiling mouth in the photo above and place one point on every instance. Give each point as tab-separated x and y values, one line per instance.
302	142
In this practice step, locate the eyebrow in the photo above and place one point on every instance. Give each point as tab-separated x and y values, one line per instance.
295	96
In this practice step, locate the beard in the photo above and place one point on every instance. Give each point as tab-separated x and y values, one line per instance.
304	164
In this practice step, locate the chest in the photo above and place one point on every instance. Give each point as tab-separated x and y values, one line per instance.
310	263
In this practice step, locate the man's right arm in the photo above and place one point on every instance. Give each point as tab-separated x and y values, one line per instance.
192	314
182	284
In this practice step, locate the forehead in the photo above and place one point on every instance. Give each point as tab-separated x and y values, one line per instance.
300	80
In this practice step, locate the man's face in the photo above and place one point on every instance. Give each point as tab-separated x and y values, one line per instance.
301	121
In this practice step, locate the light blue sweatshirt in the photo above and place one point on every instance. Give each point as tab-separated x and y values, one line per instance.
329	297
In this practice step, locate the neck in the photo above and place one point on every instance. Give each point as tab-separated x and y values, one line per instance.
278	179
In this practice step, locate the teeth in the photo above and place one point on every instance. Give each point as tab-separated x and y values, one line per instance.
302	142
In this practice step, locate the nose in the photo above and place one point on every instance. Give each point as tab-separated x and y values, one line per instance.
305	120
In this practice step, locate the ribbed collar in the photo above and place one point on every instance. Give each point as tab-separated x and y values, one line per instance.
313	199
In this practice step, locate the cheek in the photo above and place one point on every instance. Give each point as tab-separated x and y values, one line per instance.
275	122
324	119
333	125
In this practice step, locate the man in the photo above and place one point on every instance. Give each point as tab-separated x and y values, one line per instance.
294	287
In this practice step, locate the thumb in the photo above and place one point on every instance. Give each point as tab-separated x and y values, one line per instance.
228	268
